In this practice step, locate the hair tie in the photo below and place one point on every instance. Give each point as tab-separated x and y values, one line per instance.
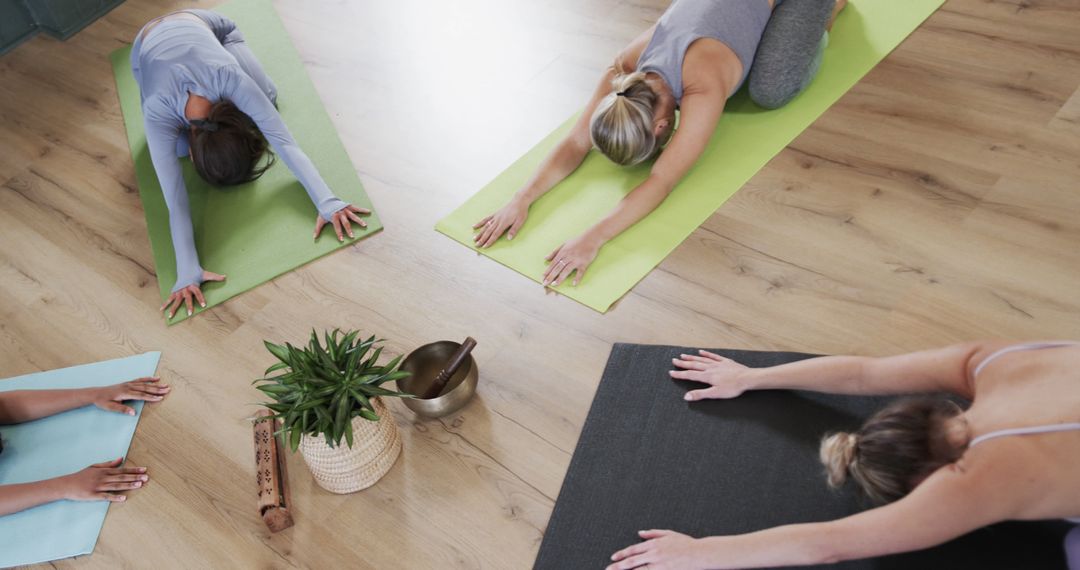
620	94
208	126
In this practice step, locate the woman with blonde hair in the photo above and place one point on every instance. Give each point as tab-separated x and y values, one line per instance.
939	470
697	55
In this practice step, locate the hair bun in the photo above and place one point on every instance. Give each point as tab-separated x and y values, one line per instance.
838	455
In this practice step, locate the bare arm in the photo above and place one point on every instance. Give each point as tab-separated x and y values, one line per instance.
100	482
950	503
563	160
701	110
19	406
570	153
22	496
938	370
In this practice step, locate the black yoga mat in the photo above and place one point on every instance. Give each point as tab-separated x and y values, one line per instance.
647	459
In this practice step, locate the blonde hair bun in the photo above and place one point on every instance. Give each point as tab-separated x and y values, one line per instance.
622	125
838	456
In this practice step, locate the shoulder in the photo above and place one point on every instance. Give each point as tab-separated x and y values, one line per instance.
158	109
707	66
627	60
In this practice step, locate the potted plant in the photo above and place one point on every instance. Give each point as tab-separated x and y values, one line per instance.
324	394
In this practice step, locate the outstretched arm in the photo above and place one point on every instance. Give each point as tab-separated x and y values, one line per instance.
560	163
563	160
938	370
701	112
249	97
18	406
161	138
99	482
950	503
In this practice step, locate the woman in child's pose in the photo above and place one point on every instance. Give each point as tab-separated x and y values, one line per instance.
693	59
204	95
940	471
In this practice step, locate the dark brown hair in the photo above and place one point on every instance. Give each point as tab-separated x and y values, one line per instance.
894	450
226	147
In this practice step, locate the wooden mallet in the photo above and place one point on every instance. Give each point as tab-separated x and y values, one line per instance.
452	365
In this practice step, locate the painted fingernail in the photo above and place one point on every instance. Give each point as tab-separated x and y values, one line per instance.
143	478
141	469
121	498
510	237
688	398
131	412
189	312
138	484
203	305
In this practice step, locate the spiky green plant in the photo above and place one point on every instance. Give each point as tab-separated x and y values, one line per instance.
320	389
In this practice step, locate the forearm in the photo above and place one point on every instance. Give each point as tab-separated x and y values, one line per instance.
831	374
20	406
22	496
789	545
631	209
562	161
942	369
324	199
162	140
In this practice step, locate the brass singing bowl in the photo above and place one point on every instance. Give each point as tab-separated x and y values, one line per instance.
424	364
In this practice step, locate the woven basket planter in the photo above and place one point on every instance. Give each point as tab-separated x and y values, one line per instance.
341	469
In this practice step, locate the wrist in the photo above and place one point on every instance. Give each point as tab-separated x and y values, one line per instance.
91	396
524	197
594	237
749	379
59	488
709	552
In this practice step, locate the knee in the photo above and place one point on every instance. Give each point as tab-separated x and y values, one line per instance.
770	95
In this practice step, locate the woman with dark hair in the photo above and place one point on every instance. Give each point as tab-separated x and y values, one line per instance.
697	56
204	95
105	481
939	471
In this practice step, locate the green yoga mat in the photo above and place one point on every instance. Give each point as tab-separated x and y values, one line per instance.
255	232
747	138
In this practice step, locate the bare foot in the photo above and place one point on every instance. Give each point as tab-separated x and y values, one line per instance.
840	4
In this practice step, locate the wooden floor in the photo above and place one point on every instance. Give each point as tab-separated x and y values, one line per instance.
938	201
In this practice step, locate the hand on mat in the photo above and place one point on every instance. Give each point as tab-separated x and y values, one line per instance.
111	398
508	220
574	255
662	550
102	482
722	374
342	220
189	294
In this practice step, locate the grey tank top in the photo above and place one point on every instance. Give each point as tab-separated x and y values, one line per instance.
737	23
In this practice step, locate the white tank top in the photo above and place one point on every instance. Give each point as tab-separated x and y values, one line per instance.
1031	430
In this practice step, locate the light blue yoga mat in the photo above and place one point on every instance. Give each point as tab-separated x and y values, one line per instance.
59	445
